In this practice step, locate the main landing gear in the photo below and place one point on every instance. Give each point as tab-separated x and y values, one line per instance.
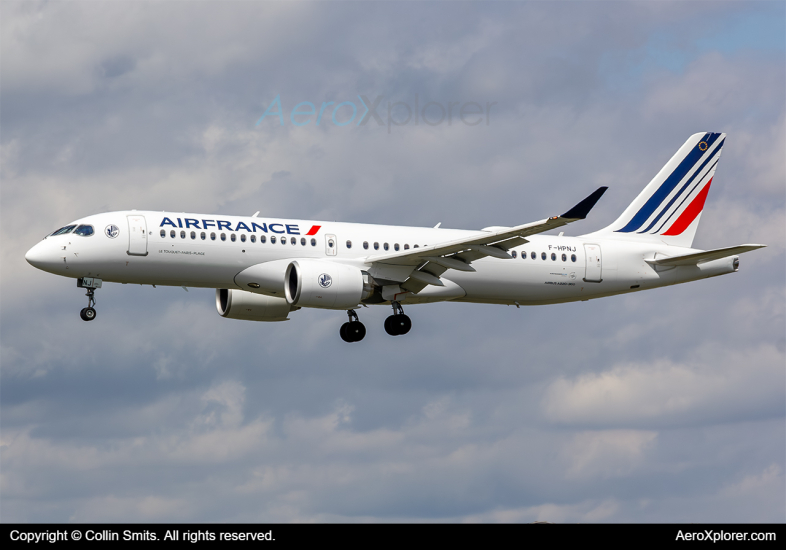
89	313
353	330
398	323
395	325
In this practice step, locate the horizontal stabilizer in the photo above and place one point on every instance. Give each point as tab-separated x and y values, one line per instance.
707	256
580	211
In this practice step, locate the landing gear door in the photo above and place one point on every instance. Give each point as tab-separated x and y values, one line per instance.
594	270
137	236
331	245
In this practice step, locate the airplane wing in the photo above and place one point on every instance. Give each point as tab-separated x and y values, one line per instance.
707	256
429	262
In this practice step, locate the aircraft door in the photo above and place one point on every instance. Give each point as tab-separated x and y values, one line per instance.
593	273
137	236
331	245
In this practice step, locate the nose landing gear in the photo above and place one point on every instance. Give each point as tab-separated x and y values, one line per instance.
89	313
398	323
353	330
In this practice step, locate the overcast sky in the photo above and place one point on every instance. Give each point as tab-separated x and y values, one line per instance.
667	405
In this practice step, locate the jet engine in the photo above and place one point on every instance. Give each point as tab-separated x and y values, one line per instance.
247	306
330	285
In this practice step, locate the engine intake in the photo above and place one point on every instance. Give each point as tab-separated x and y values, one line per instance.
329	285
247	306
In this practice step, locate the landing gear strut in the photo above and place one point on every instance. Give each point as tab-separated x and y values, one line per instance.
91	284
353	330
89	313
398	323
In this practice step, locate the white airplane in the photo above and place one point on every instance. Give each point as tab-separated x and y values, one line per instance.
263	269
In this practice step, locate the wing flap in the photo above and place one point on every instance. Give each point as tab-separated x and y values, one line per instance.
434	260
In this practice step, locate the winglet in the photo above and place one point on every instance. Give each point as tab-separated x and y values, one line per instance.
580	211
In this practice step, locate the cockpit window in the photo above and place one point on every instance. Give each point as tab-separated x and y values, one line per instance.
64	230
84	230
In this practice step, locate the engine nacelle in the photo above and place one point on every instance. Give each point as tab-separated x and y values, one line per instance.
239	304
264	278
312	283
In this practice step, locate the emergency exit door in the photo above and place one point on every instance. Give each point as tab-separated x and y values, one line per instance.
331	245
137	236
594	266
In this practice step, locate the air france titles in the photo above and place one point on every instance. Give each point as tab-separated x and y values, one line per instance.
223	225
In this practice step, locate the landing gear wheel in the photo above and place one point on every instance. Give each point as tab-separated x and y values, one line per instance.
389	327
404	323
353	330
88	313
356	331
396	325
344	332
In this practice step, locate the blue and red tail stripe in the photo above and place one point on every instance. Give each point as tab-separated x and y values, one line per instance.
684	187
665	189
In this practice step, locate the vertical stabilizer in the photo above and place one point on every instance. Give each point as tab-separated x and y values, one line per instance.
669	208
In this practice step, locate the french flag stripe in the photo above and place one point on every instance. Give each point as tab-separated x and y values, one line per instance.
693	210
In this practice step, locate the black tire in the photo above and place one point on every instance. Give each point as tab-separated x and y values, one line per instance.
404	324
391	325
356	331
89	314
344	332
82	314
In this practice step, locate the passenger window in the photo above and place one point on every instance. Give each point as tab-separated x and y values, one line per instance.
212	236
262	239
365	245
349	244
253	238
543	255
523	255
172	233
416	246
302	241
272	239
293	241
203	236
564	258
376	246
533	255
233	237
223	236
182	234
243	238
193	235
163	233
385	246
572	257
313	242
406	247
553	257
513	253
395	247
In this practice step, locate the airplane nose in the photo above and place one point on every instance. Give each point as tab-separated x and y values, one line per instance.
40	256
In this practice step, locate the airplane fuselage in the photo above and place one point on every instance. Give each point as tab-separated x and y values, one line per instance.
196	250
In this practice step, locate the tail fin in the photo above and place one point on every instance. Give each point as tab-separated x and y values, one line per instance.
669	208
